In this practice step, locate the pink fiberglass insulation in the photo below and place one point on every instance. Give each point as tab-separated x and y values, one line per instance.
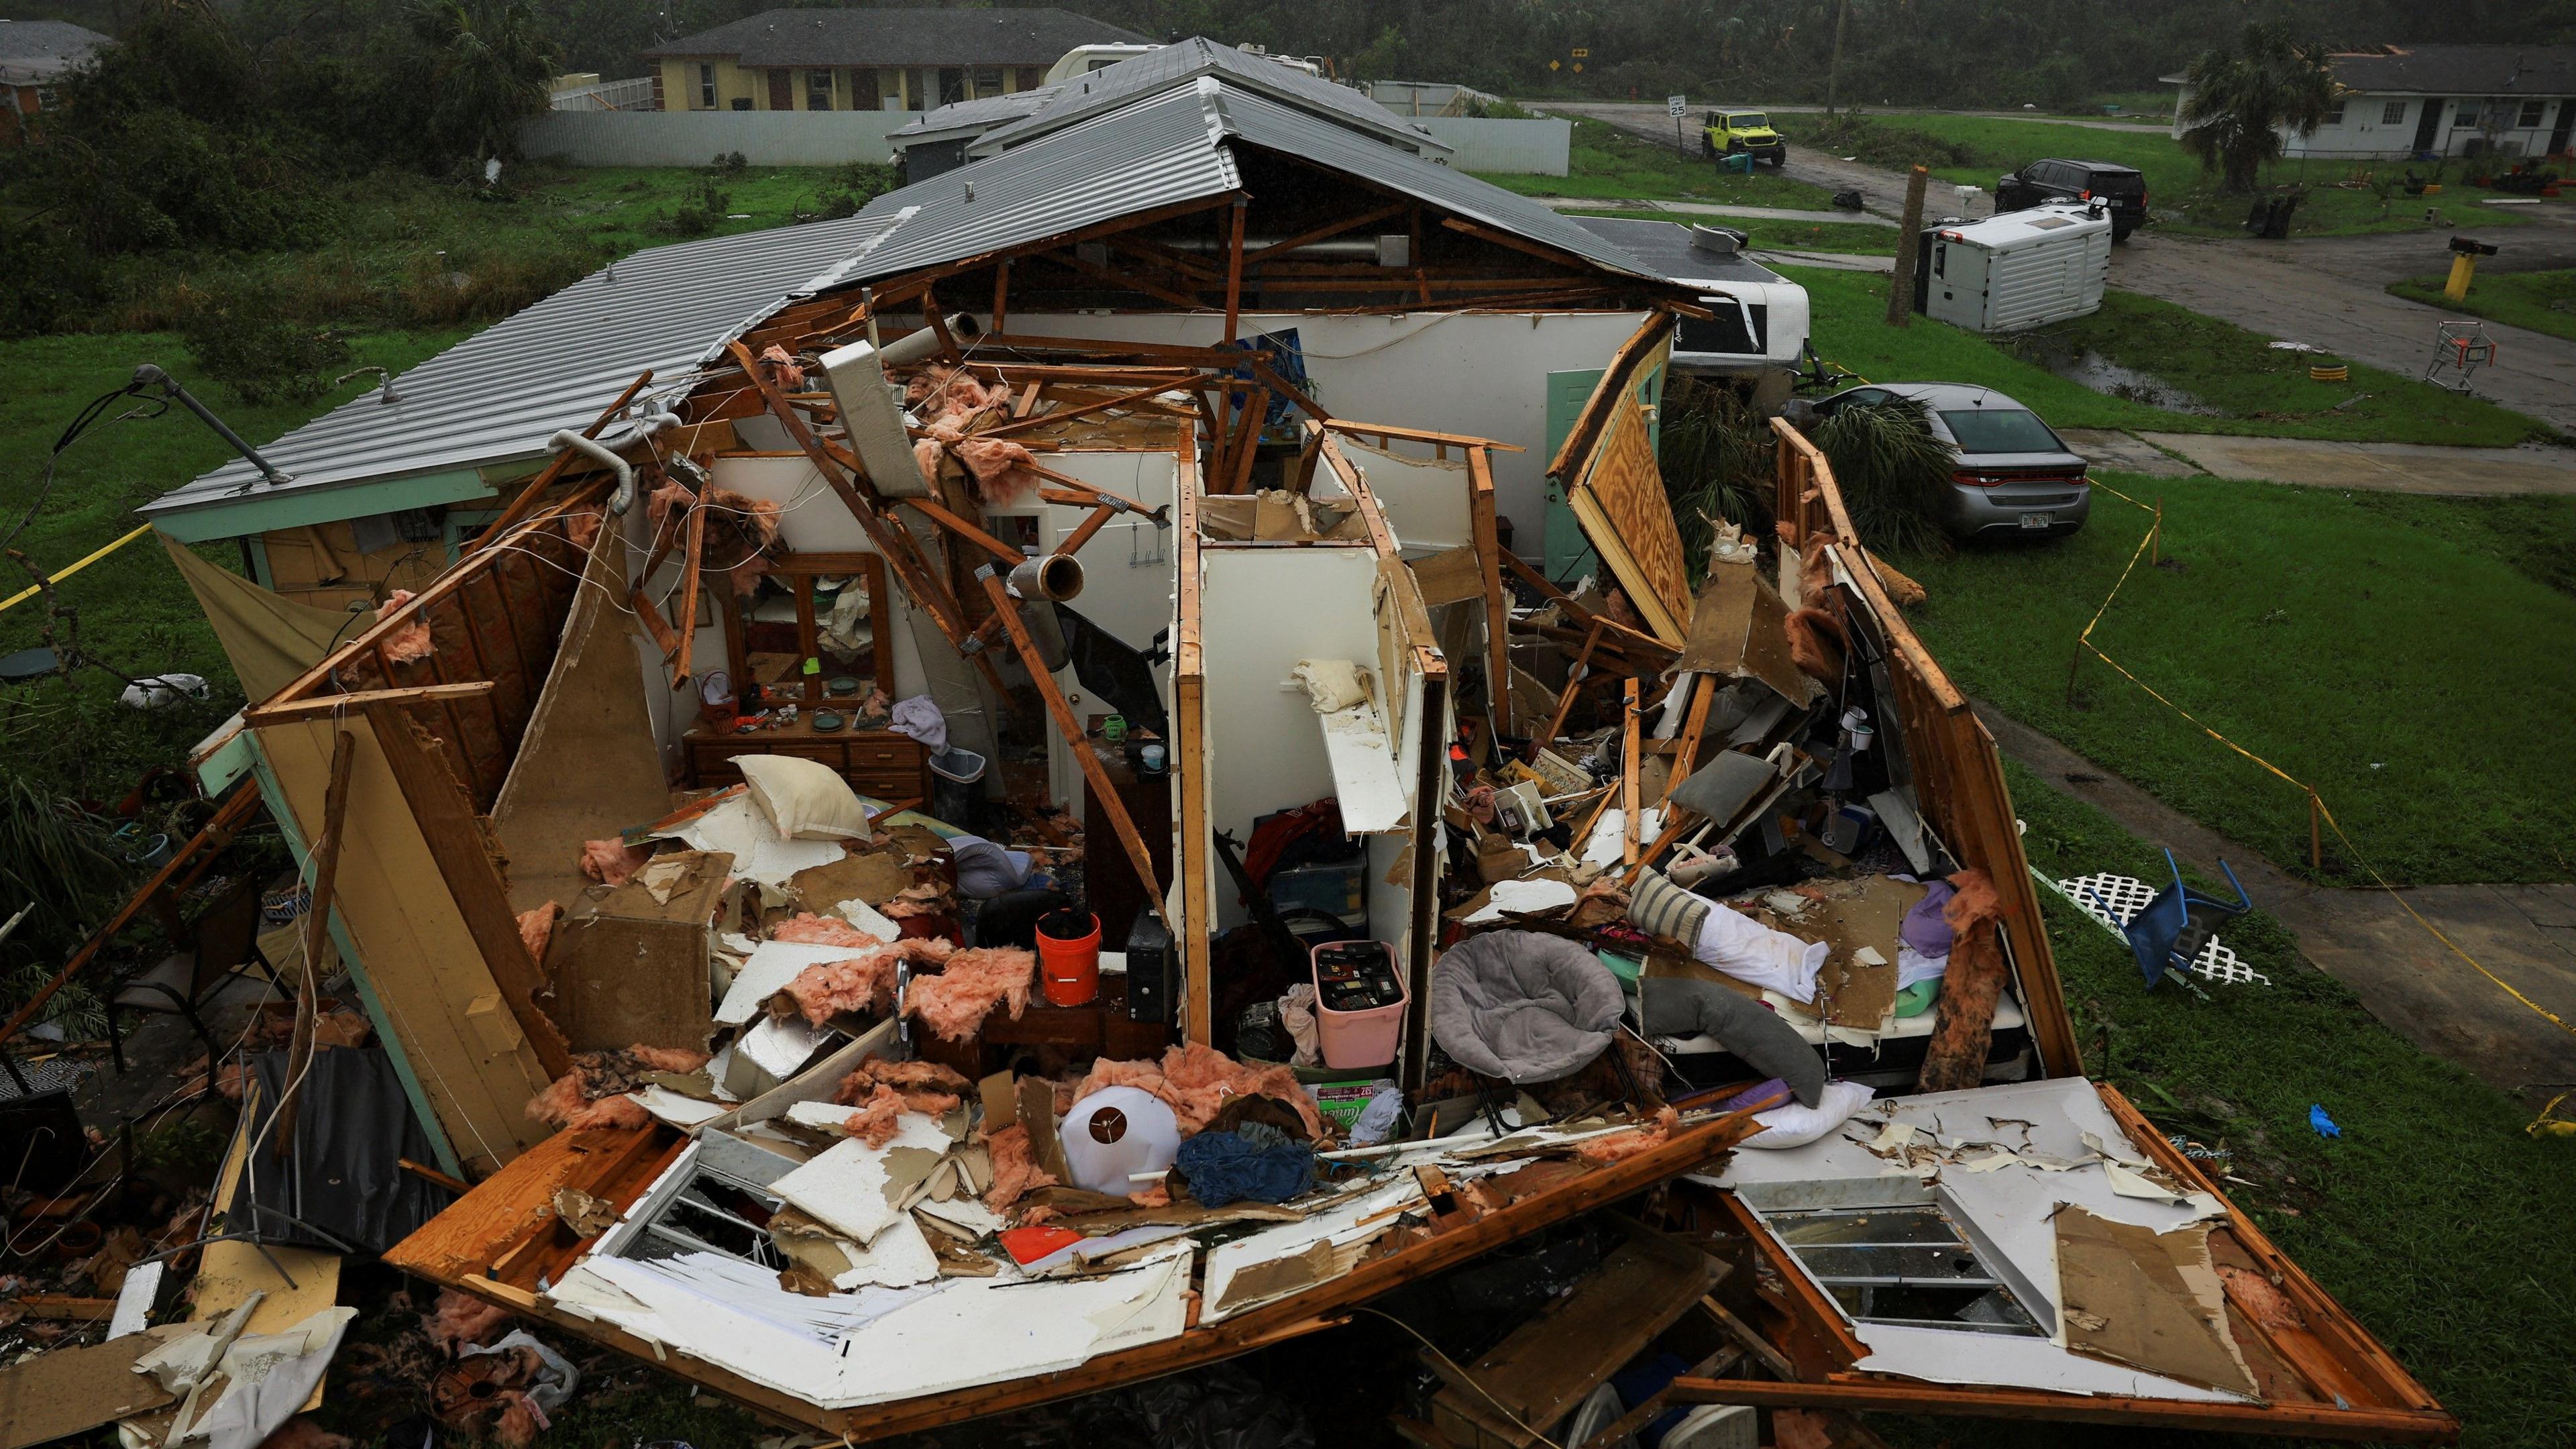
807	929
1197	1080
461	1320
926	1087
926	456
876	1120
537	929
1004	472
662	502
410	643
955	1002
783	368
1620	1146
1015	1170
612	861
927	898
947	391
582	527
593	1093
864	982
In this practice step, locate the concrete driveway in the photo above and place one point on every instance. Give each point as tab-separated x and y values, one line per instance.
2324	291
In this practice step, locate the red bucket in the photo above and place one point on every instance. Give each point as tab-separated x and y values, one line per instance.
1069	964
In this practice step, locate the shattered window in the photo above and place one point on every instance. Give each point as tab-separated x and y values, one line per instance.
1902	1265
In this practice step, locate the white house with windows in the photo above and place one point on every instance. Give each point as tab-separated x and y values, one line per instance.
2396	102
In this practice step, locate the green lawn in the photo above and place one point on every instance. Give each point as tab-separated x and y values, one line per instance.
2433	1219
2346	639
401	250
2257	390
133	611
1607	162
1822	236
1977	150
2541	301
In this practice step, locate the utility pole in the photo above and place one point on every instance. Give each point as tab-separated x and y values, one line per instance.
1834	67
1900	286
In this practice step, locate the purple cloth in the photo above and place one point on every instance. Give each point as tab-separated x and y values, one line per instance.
1776	1087
1924	930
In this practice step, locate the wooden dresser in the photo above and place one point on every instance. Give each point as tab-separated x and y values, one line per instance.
889	766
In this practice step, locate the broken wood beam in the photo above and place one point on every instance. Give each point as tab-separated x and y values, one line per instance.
1007	610
317	937
528	496
324	705
692	558
1489	569
445	815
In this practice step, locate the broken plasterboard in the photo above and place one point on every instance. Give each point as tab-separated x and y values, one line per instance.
845	1188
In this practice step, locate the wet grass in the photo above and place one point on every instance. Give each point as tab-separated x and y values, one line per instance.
2256	390
2347	639
1766	234
1977	150
2541	301
1607	162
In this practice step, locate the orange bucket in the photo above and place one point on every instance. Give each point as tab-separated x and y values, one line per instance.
1069	965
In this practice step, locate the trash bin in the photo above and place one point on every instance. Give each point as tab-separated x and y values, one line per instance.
1069	957
956	792
2270	217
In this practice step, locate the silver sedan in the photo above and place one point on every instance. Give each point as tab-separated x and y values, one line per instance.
2011	474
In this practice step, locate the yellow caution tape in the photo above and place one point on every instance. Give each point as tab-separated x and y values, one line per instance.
2317	802
31	590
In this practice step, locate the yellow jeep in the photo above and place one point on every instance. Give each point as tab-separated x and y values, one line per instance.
1732	132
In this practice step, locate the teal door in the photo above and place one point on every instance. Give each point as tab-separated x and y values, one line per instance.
1569	557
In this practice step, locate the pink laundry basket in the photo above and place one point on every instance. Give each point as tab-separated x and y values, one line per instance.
1359	1003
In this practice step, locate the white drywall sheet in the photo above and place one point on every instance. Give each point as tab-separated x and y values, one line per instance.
1260	611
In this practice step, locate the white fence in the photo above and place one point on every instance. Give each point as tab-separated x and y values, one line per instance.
617	95
1533	148
693	138
1425	98
829	138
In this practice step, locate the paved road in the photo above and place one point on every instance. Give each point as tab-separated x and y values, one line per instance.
2364	938
2325	291
1714	208
1626	113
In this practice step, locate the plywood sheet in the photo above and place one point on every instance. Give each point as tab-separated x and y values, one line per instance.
1629	520
59	1394
588	766
622	981
1739	630
424	978
1450	576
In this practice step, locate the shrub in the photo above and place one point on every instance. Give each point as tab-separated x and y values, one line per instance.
854	186
1717	457
252	337
1893	472
699	215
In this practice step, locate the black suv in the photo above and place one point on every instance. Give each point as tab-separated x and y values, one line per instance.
2120	188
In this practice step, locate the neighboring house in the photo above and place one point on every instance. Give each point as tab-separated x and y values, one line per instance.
868	60
1089	84
2398	101
34	56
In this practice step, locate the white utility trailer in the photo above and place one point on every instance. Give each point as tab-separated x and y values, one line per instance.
2021	269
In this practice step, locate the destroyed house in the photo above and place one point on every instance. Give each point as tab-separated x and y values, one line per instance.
1138	493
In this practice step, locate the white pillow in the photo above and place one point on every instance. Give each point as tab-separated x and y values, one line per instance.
804	799
1796	1126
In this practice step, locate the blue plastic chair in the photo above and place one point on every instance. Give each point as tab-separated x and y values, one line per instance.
2167	936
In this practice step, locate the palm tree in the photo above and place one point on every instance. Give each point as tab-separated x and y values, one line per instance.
2246	98
490	67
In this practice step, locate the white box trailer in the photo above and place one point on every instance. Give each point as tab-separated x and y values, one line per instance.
2018	270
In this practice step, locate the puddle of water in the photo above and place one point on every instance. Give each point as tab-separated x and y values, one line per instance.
2103	375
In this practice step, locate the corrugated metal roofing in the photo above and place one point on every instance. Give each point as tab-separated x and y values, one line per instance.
1170	148
1265	123
966	118
497	395
1107	89
39	50
1160	151
900	37
2452	70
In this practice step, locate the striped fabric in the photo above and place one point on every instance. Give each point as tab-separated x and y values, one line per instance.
1660	908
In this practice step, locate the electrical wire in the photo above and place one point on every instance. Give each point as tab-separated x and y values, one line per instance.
1464	1377
79	427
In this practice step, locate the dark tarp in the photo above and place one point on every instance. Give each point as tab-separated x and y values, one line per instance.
343	1173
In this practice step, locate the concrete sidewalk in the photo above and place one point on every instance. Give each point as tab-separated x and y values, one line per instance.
2525	934
2378	467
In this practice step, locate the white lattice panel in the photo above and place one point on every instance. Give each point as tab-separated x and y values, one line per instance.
2125	896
